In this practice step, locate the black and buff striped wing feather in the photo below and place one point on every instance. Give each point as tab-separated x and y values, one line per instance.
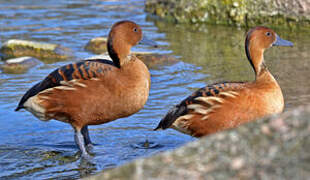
182	109
81	70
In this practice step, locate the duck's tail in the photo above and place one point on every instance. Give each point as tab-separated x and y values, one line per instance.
171	116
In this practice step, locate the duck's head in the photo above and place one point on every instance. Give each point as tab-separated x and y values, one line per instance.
122	37
263	38
257	40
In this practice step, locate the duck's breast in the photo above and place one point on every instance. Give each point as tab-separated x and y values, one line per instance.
135	85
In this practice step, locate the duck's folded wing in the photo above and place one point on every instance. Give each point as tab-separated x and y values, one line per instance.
206	97
82	70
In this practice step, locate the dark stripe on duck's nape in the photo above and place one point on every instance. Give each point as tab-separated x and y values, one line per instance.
113	54
247	51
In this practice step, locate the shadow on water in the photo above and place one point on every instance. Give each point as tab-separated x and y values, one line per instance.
207	54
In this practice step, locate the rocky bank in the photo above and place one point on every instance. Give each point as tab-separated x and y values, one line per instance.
270	148
284	13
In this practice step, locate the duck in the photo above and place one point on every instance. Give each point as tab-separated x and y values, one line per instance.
226	105
95	91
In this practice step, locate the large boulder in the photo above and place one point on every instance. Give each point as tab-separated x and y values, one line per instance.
270	148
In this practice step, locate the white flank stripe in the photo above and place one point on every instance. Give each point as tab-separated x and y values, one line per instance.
65	88
79	84
204	99
95	79
195	106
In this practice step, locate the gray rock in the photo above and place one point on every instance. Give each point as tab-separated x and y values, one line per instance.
270	148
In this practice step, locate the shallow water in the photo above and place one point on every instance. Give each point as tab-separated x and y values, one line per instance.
30	148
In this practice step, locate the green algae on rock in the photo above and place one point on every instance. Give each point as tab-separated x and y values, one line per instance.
43	51
286	13
271	148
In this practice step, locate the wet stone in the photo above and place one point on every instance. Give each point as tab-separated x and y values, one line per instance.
97	45
153	60
19	65
44	51
271	148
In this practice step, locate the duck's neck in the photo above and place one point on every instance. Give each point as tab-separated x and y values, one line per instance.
261	71
257	61
118	51
256	58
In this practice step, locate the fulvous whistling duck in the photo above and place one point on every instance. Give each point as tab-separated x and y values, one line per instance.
93	92
226	105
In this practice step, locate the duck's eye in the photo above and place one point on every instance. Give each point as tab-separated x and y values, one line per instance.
268	34
135	29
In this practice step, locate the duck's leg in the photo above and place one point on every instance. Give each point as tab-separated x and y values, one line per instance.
80	142
87	140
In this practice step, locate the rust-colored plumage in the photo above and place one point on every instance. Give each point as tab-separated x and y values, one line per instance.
94	92
226	105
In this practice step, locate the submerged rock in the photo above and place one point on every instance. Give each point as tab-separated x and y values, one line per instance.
43	51
290	13
270	148
19	65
